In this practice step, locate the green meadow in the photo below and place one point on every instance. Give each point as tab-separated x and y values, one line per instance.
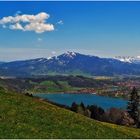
26	117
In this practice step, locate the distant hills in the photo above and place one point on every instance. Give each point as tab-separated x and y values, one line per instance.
70	63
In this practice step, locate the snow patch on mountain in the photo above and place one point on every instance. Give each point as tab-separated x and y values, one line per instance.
129	59
69	54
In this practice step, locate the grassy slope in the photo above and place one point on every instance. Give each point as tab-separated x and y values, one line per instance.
25	117
51	87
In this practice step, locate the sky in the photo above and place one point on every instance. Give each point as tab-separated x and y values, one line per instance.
44	29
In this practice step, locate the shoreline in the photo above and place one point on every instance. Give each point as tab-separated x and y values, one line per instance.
66	92
80	93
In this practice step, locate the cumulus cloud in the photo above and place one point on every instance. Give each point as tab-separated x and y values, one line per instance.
36	23
16	26
39	27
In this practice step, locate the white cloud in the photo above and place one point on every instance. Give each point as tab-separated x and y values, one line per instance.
39	27
60	22
16	26
36	23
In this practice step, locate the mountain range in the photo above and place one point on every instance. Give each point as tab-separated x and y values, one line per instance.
129	59
70	63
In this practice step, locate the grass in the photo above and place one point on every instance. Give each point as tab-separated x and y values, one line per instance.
25	117
52	87
66	87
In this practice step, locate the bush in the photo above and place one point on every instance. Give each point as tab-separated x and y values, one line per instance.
96	112
118	116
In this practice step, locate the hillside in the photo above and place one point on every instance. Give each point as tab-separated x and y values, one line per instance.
49	84
25	117
69	63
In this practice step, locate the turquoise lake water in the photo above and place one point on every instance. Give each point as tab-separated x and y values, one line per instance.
87	99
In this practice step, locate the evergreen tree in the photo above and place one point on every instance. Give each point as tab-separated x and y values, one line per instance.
82	105
74	107
134	106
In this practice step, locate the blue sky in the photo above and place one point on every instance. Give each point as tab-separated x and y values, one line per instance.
105	29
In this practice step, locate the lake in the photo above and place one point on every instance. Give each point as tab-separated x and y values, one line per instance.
87	99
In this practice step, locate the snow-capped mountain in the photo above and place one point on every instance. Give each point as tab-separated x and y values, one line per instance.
70	54
70	63
129	59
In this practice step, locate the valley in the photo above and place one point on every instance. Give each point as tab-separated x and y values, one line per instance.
118	87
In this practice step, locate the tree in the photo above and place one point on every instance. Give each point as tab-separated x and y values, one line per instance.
82	105
74	107
96	112
134	106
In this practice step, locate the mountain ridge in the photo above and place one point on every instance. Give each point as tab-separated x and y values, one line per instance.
69	63
129	59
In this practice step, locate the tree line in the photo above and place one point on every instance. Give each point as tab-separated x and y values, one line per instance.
128	117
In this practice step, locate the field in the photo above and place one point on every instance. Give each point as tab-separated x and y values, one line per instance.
26	117
48	86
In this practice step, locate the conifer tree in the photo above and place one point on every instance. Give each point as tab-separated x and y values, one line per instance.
133	107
